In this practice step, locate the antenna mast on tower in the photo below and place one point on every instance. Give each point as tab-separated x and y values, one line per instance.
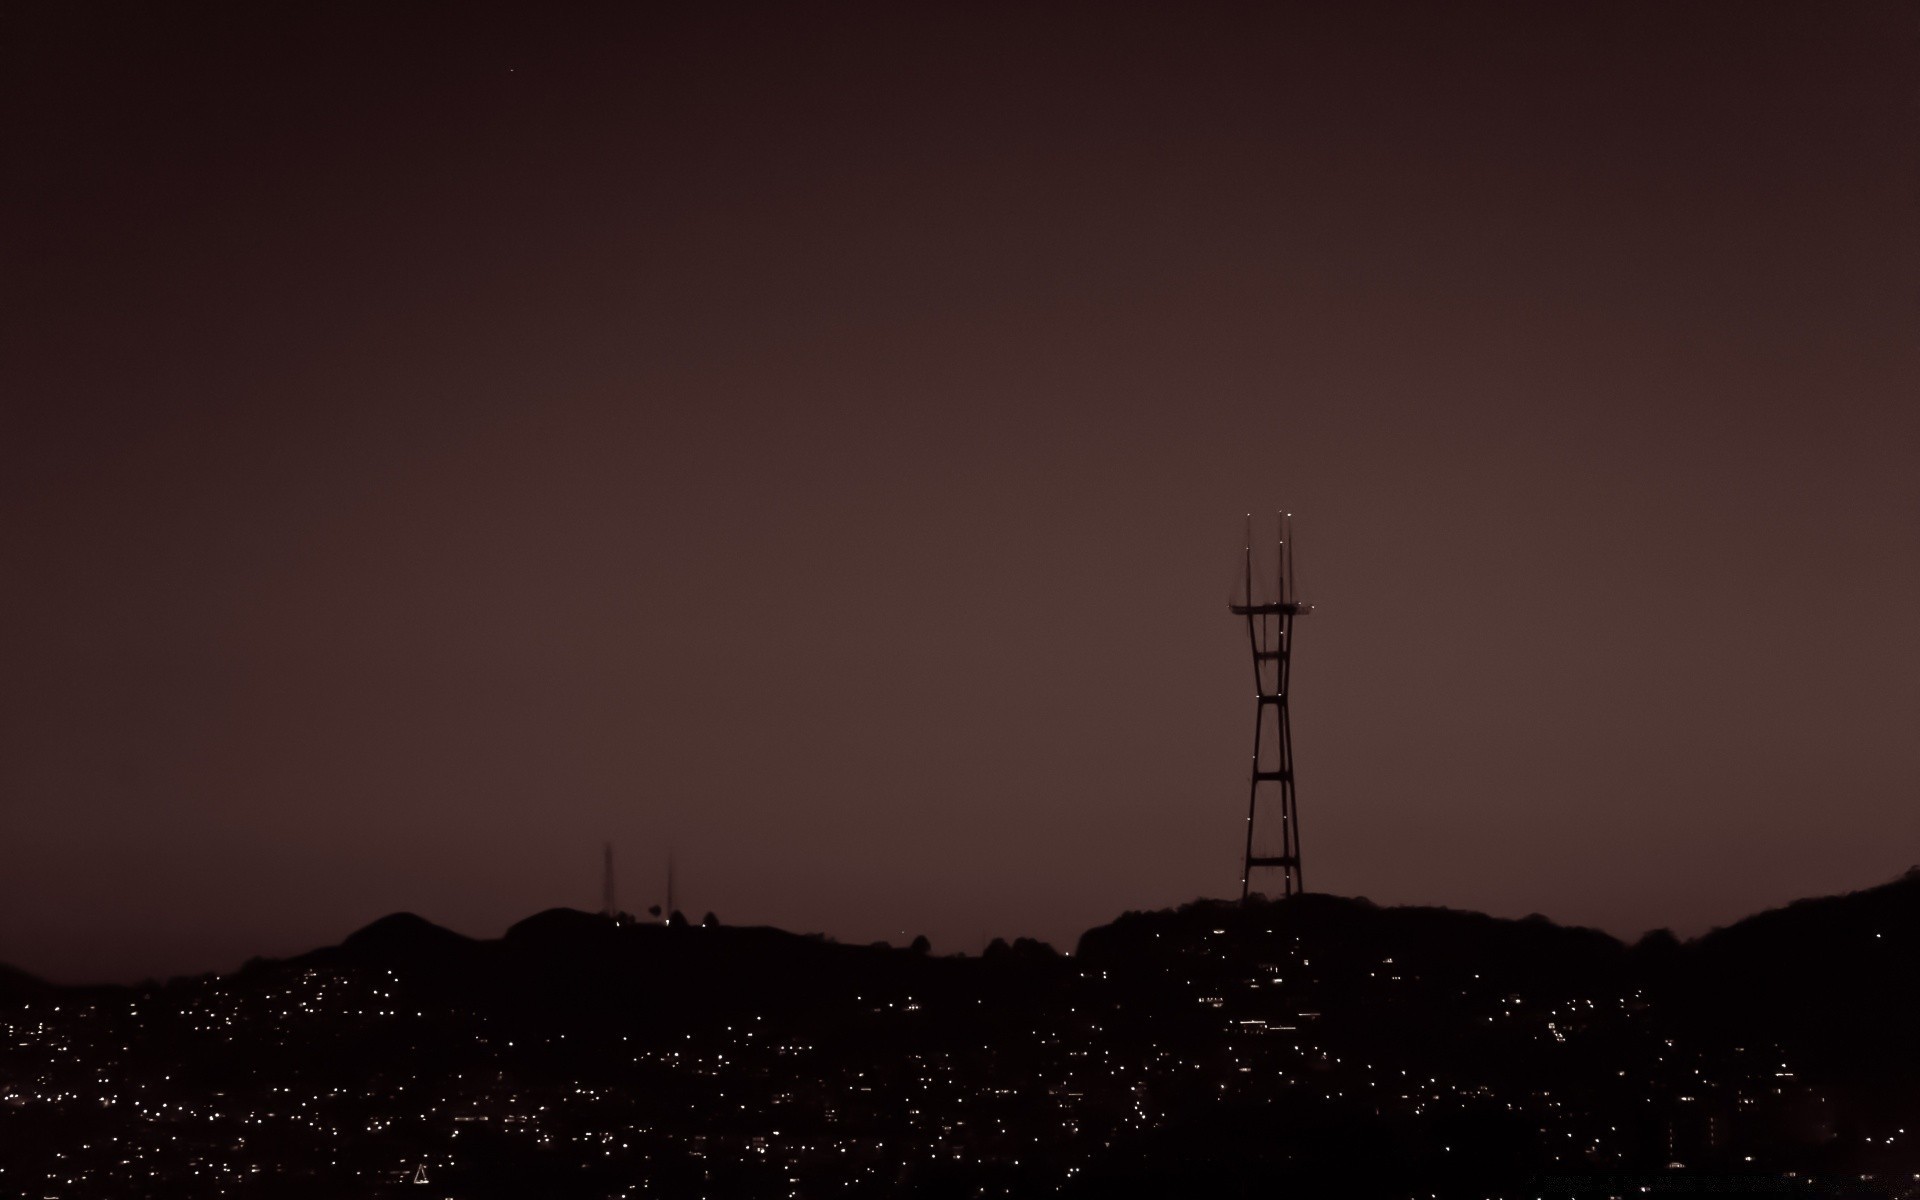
1270	637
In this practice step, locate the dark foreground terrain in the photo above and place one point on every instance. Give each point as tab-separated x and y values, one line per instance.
1318	1047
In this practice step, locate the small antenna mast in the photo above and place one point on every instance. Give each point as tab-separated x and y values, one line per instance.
1280	558
1249	558
1293	573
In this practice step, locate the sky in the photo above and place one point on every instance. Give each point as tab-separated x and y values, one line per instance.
814	441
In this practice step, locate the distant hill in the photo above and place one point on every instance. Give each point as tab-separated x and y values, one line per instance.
587	967
1829	981
1830	967
1211	1049
1834	980
17	983
1439	942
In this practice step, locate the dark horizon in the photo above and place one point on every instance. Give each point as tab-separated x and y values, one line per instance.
441	442
1225	1049
650	915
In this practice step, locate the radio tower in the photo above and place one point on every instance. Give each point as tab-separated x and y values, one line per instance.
1270	636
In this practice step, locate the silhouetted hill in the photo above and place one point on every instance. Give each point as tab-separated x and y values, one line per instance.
16	983
1325	1043
1832	980
1439	942
399	942
1869	923
403	930
588	969
405	937
1832	975
561	926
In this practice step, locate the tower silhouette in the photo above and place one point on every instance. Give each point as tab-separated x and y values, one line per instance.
1270	637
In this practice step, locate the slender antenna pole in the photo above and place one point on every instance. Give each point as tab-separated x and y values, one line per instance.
1249	558
1280	560
1293	578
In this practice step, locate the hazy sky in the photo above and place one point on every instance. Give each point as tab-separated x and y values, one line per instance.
815	438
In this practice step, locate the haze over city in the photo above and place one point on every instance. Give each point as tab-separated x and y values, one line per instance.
816	441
